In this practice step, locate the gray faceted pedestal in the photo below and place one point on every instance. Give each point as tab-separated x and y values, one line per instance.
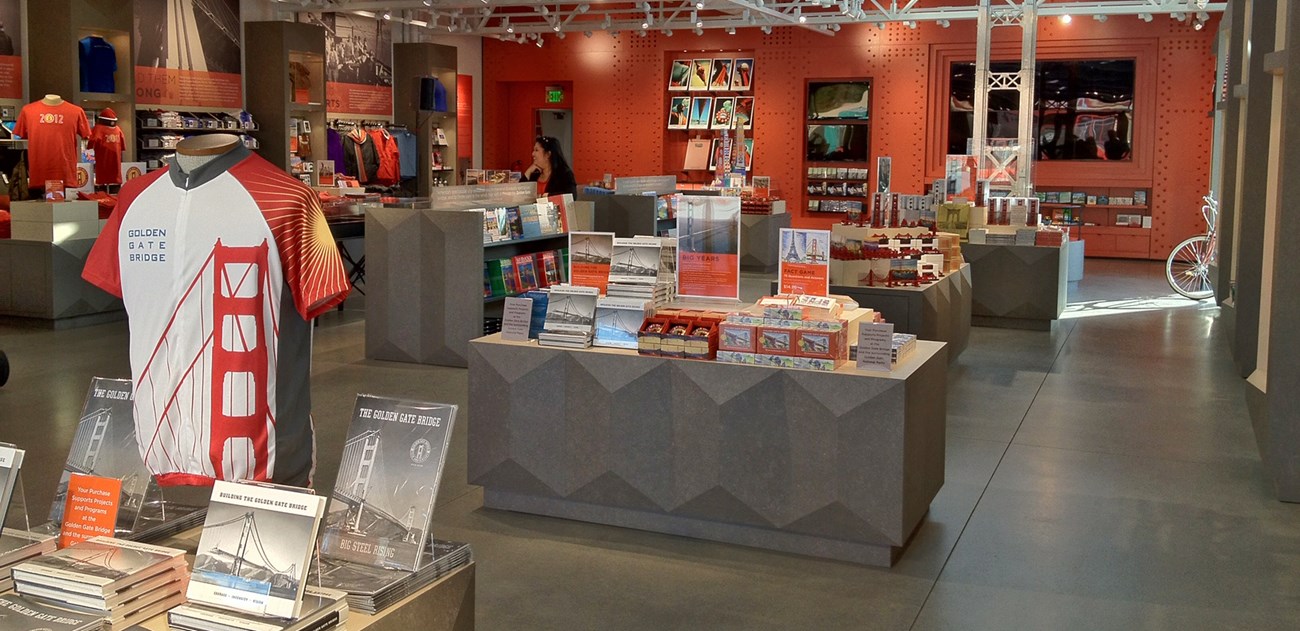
760	241
1016	286
42	281
839	465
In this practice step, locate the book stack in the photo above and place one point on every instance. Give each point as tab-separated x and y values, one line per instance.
619	319
321	609
123	582
17	546
901	347
570	317
634	270
372	589
24	614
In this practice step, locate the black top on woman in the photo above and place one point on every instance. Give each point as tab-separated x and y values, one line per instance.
550	168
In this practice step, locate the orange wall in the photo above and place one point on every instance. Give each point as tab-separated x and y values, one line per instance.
510	113
619	101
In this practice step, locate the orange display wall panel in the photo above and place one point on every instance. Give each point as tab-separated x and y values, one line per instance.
694	83
619	100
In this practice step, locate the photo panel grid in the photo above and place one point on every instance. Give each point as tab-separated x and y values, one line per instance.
679	75
701	111
720	75
679	112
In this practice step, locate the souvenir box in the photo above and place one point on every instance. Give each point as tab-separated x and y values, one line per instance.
673	341
702	342
823	345
649	339
777	340
737	337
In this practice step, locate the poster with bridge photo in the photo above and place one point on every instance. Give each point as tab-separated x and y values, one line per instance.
187	53
388	482
255	549
104	445
708	247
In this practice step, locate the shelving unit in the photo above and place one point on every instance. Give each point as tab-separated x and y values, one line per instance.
813	202
56	27
153	142
1098	223
411	62
278	105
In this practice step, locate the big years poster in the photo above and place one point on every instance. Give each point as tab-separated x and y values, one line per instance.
187	53
708	247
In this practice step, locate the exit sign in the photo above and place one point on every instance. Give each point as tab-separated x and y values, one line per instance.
554	95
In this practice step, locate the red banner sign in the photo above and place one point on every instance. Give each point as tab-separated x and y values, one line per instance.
356	98
187	88
11	77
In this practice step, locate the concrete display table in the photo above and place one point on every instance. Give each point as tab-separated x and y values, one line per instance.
760	240
840	465
939	311
1016	286
41	282
447	604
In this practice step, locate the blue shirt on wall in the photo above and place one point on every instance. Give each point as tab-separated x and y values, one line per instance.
98	63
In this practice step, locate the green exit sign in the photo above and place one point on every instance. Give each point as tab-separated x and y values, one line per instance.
554	95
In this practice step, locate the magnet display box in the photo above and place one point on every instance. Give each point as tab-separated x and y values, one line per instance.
738	337
776	340
649	339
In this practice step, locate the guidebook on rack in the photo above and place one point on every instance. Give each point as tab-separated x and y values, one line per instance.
255	549
11	462
388	481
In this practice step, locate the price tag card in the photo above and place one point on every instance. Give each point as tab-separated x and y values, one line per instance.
516	318
875	346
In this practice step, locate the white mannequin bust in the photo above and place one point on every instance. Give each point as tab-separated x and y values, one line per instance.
196	151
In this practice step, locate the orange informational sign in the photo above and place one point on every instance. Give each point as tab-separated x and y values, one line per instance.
708	247
187	88
11	77
90	509
805	262
589	258
356	98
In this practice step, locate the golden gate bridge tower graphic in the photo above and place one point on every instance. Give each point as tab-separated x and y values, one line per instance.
239	559
233	361
360	473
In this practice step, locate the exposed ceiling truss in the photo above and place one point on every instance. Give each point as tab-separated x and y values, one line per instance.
529	19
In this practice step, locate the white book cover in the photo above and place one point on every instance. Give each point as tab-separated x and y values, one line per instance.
618	320
255	549
388	481
320	605
571	309
11	461
635	260
24	614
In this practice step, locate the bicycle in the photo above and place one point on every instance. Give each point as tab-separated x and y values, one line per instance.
1188	266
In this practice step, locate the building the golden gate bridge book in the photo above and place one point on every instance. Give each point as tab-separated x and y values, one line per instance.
388	482
255	549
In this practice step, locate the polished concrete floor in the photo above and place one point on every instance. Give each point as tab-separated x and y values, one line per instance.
1101	476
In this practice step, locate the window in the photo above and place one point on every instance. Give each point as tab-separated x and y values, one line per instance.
1083	110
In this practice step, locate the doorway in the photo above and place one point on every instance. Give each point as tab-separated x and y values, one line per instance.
559	125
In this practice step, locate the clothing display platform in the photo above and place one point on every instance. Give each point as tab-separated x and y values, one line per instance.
840	465
41	282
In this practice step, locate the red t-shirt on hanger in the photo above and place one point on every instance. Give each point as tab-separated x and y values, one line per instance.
51	133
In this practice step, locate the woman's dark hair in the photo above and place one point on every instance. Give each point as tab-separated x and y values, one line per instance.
552	147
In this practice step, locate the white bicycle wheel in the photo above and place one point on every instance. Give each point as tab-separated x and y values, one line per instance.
1188	268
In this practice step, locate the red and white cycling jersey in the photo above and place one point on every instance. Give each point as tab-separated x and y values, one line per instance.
221	271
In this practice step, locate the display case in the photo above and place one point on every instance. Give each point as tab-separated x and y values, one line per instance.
1114	220
286	92
435	131
837	136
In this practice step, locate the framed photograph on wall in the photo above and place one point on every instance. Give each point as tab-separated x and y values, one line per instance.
679	75
701	110
699	80
724	108
745	111
720	75
742	77
679	112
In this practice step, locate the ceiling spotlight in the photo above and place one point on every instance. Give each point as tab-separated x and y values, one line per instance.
388	15
428	3
583	8
803	19
1145	17
699	5
510	28
645	25
1203	16
1178	16
1198	25
642	33
910	24
539	42
1100	17
699	31
767	30
545	11
646	6
560	35
668	32
1066	19
731	30
586	33
880	25
835	27
556	28
606	23
699	24
943	23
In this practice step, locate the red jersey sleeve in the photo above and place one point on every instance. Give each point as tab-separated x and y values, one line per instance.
83	125
313	269
102	265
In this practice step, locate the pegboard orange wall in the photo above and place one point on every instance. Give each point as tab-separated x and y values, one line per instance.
620	110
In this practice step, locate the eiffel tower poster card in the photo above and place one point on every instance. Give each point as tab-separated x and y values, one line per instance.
256	547
805	262
388	481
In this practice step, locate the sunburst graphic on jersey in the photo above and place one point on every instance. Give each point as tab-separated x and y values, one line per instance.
308	253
